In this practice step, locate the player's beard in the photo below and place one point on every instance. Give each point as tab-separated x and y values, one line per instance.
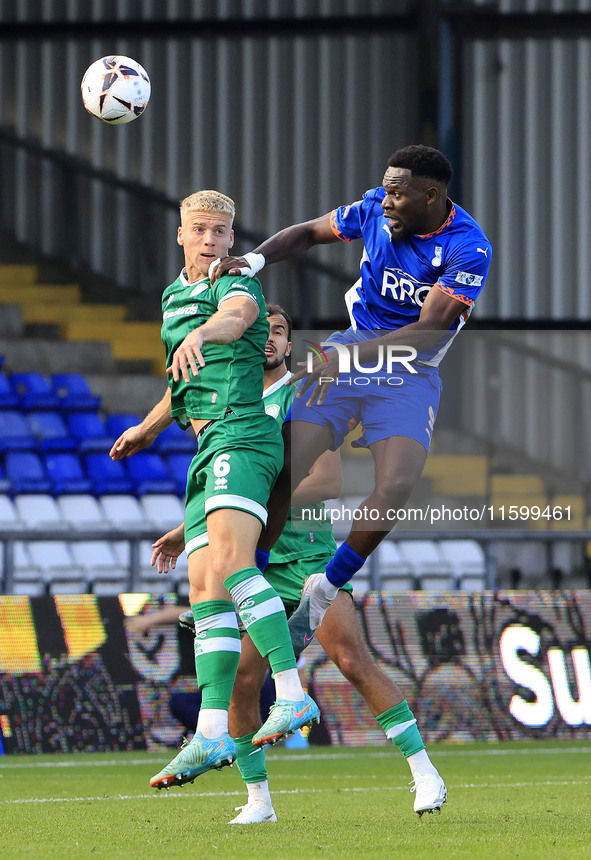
399	235
272	363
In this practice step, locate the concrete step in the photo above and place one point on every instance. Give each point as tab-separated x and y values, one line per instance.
128	392
17	273
64	314
39	355
37	294
132	331
130	341
12	321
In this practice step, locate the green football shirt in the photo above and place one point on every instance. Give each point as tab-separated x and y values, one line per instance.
297	539
233	372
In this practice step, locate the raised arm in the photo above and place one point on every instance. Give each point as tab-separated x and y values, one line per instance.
287	243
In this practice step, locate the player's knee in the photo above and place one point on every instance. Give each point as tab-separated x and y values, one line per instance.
227	559
394	490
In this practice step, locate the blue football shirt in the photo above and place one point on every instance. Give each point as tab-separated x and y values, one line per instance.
396	276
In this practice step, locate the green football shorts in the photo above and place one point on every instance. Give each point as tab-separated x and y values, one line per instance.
237	462
288	577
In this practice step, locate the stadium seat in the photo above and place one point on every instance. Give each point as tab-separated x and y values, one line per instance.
102	571
468	562
15	433
160	583
150	474
39	511
179	465
438	581
9	516
82	512
428	565
4	482
74	393
164	511
173	440
27	578
89	430
107	476
34	391
8	397
56	563
50	432
66	473
118	422
123	511
395	573
26	473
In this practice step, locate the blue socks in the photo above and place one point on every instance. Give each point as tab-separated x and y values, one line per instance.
344	564
261	559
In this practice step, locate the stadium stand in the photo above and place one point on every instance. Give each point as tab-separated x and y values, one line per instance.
55	472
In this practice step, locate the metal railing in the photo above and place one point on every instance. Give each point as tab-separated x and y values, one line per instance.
488	539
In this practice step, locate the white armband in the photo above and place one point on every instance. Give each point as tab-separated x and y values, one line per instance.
256	262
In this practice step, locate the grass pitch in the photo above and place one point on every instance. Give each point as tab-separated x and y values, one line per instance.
505	800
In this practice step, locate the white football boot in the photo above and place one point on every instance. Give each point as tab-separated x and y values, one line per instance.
430	793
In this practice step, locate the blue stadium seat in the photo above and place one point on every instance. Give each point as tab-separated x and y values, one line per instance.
119	422
15	433
50	431
26	473
150	474
107	476
74	393
88	429
66	474
4	482
178	465
173	440
34	391
8	397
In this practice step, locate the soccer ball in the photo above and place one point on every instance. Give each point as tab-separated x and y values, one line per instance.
115	89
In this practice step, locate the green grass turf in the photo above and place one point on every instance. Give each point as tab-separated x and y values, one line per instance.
511	800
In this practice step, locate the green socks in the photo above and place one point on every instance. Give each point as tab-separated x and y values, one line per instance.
400	727
263	615
217	651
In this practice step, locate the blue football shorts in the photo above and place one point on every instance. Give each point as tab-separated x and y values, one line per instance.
399	403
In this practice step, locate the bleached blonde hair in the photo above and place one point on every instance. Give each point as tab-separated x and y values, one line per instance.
208	201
